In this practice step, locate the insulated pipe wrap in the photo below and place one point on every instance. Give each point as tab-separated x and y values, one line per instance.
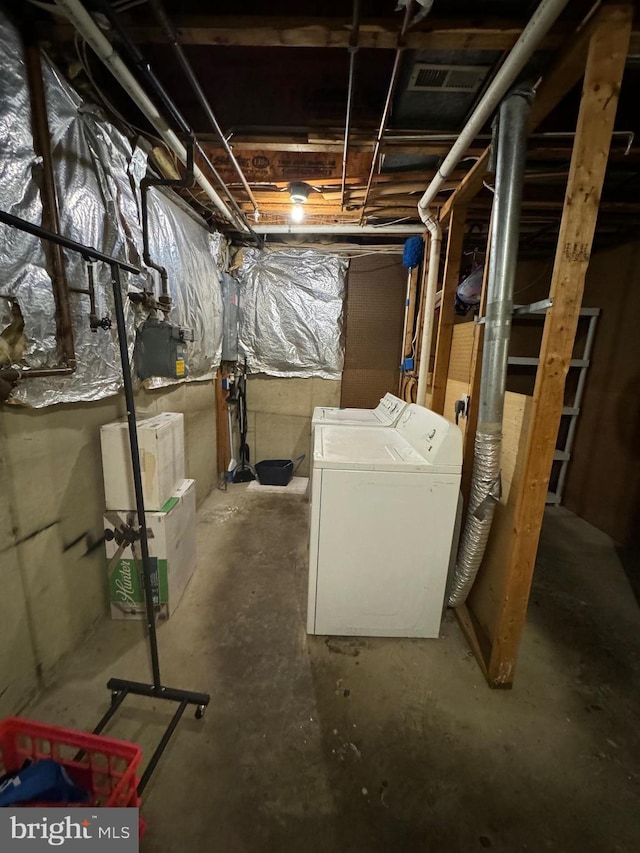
485	493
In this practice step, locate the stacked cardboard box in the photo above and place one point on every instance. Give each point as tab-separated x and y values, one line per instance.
170	507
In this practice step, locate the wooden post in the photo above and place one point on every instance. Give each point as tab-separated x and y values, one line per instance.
606	56
222	428
468	451
447	312
410	309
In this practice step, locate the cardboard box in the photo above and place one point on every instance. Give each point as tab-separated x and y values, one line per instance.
161	440
172	543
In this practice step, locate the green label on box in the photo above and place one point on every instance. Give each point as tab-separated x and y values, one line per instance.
126	584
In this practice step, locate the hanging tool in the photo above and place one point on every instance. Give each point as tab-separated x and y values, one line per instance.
244	471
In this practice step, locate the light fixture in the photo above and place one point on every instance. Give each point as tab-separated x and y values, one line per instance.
298	193
297	213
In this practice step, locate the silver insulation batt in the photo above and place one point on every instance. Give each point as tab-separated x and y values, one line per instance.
98	173
485	493
187	251
290	318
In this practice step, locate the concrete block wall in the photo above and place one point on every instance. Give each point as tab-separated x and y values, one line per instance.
52	563
279	416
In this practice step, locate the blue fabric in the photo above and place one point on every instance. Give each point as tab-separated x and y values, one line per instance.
43	781
413	252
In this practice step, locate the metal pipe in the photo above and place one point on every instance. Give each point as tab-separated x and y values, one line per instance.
429	307
166	737
541	21
340	228
170	32
90	32
353	49
186	181
485	486
87	252
50	209
148	74
137	471
388	102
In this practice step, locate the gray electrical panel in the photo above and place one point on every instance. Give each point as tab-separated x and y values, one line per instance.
161	350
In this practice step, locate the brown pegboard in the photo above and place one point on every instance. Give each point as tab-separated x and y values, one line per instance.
376	288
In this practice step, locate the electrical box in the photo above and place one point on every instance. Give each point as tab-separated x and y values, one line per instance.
161	350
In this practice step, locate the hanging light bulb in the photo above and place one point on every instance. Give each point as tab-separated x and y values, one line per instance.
297	213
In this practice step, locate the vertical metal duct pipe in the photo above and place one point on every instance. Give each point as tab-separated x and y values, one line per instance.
90	32
541	21
485	487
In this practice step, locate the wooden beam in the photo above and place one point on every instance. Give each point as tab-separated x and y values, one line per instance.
222	428
301	31
468	452
382	33
469	187
607	51
447	312
565	73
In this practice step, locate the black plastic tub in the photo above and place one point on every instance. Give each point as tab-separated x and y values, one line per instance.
277	472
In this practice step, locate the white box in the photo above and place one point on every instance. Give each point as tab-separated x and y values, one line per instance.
161	441
172	542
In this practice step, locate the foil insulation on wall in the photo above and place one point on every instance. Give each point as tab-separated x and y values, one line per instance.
185	250
290	318
97	173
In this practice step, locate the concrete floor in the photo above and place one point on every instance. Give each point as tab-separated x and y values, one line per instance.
360	746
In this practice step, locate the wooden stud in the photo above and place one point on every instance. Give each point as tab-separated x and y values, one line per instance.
447	311
468	452
222	428
607	51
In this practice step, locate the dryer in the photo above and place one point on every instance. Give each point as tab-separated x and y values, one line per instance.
383	515
385	414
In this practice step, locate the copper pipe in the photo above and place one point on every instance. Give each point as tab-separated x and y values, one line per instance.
389	100
50	212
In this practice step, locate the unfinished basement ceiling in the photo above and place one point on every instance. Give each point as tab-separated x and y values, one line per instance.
277	82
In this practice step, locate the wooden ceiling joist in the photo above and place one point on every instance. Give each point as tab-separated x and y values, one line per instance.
565	73
263	31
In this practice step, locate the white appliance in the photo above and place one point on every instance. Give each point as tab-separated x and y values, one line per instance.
385	414
383	513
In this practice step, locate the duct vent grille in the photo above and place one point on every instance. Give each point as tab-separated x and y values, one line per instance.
447	78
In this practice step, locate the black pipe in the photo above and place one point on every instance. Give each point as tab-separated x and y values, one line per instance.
167	26
87	252
137	472
161	746
148	74
186	181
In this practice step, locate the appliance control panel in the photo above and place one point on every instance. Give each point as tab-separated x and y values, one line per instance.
436	438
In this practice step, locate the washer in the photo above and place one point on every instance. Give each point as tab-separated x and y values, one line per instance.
386	414
383	514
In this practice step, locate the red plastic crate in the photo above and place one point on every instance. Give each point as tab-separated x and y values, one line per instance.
104	767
